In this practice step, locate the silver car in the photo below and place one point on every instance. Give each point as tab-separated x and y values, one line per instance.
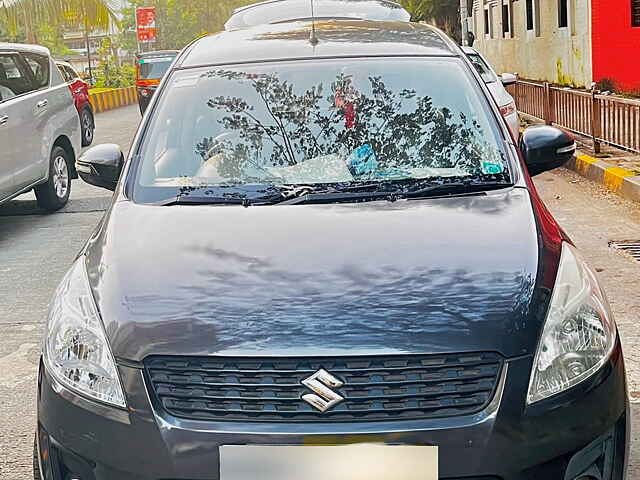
39	127
496	85
279	11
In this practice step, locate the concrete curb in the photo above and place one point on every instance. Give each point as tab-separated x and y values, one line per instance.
619	180
118	97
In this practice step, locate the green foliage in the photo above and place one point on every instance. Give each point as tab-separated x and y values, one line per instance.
417	9
32	14
180	21
110	73
51	37
7	35
606	85
444	13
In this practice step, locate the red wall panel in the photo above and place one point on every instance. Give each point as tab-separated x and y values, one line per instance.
616	44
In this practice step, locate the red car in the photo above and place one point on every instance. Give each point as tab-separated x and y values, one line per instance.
80	91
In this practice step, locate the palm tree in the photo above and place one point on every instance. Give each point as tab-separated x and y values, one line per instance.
90	13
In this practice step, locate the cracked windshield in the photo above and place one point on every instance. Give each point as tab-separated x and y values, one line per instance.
318	122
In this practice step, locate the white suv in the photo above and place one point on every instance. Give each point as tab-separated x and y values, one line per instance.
39	127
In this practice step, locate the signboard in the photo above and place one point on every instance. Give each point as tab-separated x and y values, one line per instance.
146	24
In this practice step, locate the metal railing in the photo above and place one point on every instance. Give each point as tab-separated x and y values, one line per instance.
604	118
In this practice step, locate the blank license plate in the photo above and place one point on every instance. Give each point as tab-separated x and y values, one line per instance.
345	462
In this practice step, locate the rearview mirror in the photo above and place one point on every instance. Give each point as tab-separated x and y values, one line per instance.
545	148
508	78
101	165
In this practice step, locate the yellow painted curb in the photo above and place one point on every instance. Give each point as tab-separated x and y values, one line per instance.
614	176
583	162
587	159
110	99
100	102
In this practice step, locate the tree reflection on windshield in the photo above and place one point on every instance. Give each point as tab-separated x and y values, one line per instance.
377	132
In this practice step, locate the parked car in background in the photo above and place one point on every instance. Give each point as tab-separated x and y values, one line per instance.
337	242
80	91
496	85
277	11
40	134
150	68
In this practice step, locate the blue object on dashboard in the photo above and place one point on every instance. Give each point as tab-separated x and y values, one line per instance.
363	160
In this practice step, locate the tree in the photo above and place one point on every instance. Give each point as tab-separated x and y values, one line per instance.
30	13
110	73
384	133
178	22
50	36
443	13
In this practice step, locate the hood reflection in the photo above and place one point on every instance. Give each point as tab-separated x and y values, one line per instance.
252	308
431	276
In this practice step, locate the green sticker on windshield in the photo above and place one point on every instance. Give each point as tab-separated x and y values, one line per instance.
491	168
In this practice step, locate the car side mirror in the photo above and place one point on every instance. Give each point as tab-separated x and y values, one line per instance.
508	78
101	165
545	148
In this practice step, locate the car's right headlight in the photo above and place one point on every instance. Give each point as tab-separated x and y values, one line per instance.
76	349
579	332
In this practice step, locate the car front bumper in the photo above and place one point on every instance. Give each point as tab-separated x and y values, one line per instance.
562	438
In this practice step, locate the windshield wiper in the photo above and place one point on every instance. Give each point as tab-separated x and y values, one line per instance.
349	195
336	197
454	188
204	200
262	196
295	195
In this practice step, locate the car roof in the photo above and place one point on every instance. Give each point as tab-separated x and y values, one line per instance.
276	11
158	53
469	50
335	38
24	47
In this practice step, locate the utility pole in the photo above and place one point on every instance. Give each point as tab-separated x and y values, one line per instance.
86	41
85	21
135	27
464	22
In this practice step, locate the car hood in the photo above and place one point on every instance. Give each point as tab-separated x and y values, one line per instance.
415	276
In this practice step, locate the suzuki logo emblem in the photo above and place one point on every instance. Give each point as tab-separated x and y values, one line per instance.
324	398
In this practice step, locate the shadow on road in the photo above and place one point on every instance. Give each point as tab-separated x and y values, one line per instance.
19	218
30	207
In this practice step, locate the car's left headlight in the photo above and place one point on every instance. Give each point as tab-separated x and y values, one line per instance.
579	332
76	350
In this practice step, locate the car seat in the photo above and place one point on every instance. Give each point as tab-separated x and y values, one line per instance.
5	91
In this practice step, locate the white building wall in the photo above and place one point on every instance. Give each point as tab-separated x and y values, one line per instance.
546	53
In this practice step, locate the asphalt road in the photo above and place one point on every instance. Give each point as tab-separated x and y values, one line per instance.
36	250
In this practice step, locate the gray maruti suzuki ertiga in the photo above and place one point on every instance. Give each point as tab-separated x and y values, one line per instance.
320	240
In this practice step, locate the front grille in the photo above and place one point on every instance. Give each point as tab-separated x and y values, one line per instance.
375	387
